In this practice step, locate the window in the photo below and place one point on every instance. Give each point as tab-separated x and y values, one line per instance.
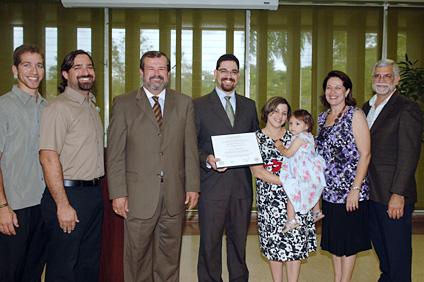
52	66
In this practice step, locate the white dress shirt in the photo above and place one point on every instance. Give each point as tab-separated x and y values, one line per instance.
374	112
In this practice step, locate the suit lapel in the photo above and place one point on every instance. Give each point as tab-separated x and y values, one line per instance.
219	109
239	111
366	108
388	108
146	107
169	107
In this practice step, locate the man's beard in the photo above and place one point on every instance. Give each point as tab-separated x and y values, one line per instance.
86	86
388	90
230	87
153	86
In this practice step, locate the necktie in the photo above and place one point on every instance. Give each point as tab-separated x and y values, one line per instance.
229	110
157	111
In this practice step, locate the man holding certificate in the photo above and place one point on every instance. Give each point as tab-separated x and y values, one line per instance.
226	197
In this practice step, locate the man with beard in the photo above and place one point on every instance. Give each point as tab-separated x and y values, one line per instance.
71	152
22	242
226	198
395	124
153	171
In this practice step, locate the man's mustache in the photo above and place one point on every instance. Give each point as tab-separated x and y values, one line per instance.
382	84
156	76
85	76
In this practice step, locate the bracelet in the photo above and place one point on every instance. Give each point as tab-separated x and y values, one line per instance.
4	205
354	187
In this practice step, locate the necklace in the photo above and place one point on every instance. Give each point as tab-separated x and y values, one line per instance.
339	115
322	133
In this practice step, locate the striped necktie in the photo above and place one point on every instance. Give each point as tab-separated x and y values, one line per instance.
157	111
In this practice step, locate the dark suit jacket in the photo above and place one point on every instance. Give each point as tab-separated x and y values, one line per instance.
138	151
395	150
211	119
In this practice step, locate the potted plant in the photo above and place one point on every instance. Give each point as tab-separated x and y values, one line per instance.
411	83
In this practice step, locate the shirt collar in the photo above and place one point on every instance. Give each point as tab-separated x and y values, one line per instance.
150	95
78	97
221	93
24	97
374	98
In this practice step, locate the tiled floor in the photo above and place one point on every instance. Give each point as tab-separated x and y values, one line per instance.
317	268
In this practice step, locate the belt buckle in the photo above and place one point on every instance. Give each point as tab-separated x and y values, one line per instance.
94	181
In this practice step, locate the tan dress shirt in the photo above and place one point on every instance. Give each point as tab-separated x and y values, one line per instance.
71	126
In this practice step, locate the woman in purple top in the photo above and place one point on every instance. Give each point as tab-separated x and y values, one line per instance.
343	141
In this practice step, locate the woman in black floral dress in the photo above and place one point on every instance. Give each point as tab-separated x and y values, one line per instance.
343	140
277	247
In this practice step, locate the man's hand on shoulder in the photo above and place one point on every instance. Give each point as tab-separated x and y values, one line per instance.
211	160
396	205
8	221
120	206
67	217
192	198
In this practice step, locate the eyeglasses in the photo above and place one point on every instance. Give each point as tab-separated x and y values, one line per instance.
225	71
385	77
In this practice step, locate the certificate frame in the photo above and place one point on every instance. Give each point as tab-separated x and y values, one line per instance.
236	150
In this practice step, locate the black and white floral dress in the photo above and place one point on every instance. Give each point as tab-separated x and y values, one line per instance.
272	212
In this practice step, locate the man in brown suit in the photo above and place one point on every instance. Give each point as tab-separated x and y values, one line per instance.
153	171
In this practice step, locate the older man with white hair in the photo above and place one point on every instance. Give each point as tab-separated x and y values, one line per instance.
395	124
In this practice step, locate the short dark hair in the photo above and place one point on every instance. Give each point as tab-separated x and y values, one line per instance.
347	83
271	105
68	63
19	51
227	57
304	116
155	54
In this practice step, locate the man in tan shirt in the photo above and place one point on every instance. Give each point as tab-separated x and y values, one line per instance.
71	152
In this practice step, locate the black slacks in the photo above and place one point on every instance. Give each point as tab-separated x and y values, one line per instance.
74	256
22	256
234	215
392	241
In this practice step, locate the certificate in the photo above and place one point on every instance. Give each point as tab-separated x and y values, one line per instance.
236	150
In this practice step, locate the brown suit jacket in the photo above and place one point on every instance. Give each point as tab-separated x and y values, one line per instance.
395	150
138	151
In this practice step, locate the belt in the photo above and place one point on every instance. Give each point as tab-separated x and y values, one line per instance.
81	183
